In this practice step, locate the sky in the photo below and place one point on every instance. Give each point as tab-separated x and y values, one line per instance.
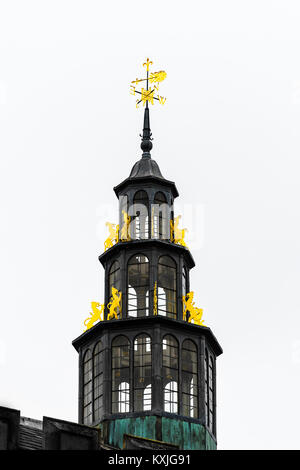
228	135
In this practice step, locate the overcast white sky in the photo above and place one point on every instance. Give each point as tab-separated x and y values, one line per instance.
228	136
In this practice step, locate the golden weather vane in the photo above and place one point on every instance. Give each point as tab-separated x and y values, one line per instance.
149	94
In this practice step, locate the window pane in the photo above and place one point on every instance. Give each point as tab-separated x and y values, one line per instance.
120	374
160	217
166	296
98	380
141	215
170	374
142	373
189	377
138	286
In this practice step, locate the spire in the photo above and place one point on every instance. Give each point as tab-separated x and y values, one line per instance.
146	144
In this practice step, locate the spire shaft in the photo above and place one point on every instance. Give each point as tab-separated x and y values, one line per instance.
146	144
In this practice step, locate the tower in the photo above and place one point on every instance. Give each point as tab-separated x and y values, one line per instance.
148	367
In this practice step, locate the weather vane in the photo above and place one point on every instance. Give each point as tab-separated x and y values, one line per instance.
149	94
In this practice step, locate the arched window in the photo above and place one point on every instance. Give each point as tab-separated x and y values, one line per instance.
87	388
142	373
166	298
138	286
141	215
160	217
209	391
189	379
98	380
120	374
114	280
170	374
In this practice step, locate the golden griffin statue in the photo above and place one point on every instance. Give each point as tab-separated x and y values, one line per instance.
177	235
114	304
113	236
95	316
195	314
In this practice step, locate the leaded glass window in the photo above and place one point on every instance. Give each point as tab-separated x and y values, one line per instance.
120	374
189	379
138	286
114	277
166	298
87	388
98	380
170	374
141	215
142	373
209	391
160	217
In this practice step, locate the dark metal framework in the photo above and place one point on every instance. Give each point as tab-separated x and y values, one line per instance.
120	373
144	264
141	222
98	381
166	284
152	363
160	217
138	286
189	379
93	384
210	391
170	373
184	363
142	370
88	387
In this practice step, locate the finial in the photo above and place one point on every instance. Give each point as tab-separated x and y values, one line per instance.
148	95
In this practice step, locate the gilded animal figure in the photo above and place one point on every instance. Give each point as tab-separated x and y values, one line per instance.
114	304
195	313
125	230
95	316
177	235
113	236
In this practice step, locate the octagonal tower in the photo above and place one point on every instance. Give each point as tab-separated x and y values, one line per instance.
148	368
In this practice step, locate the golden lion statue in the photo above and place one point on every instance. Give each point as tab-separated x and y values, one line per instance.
113	236
95	316
125	231
195	313
114	304
177	235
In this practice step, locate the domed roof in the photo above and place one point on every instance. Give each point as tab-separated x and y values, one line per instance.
145	167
